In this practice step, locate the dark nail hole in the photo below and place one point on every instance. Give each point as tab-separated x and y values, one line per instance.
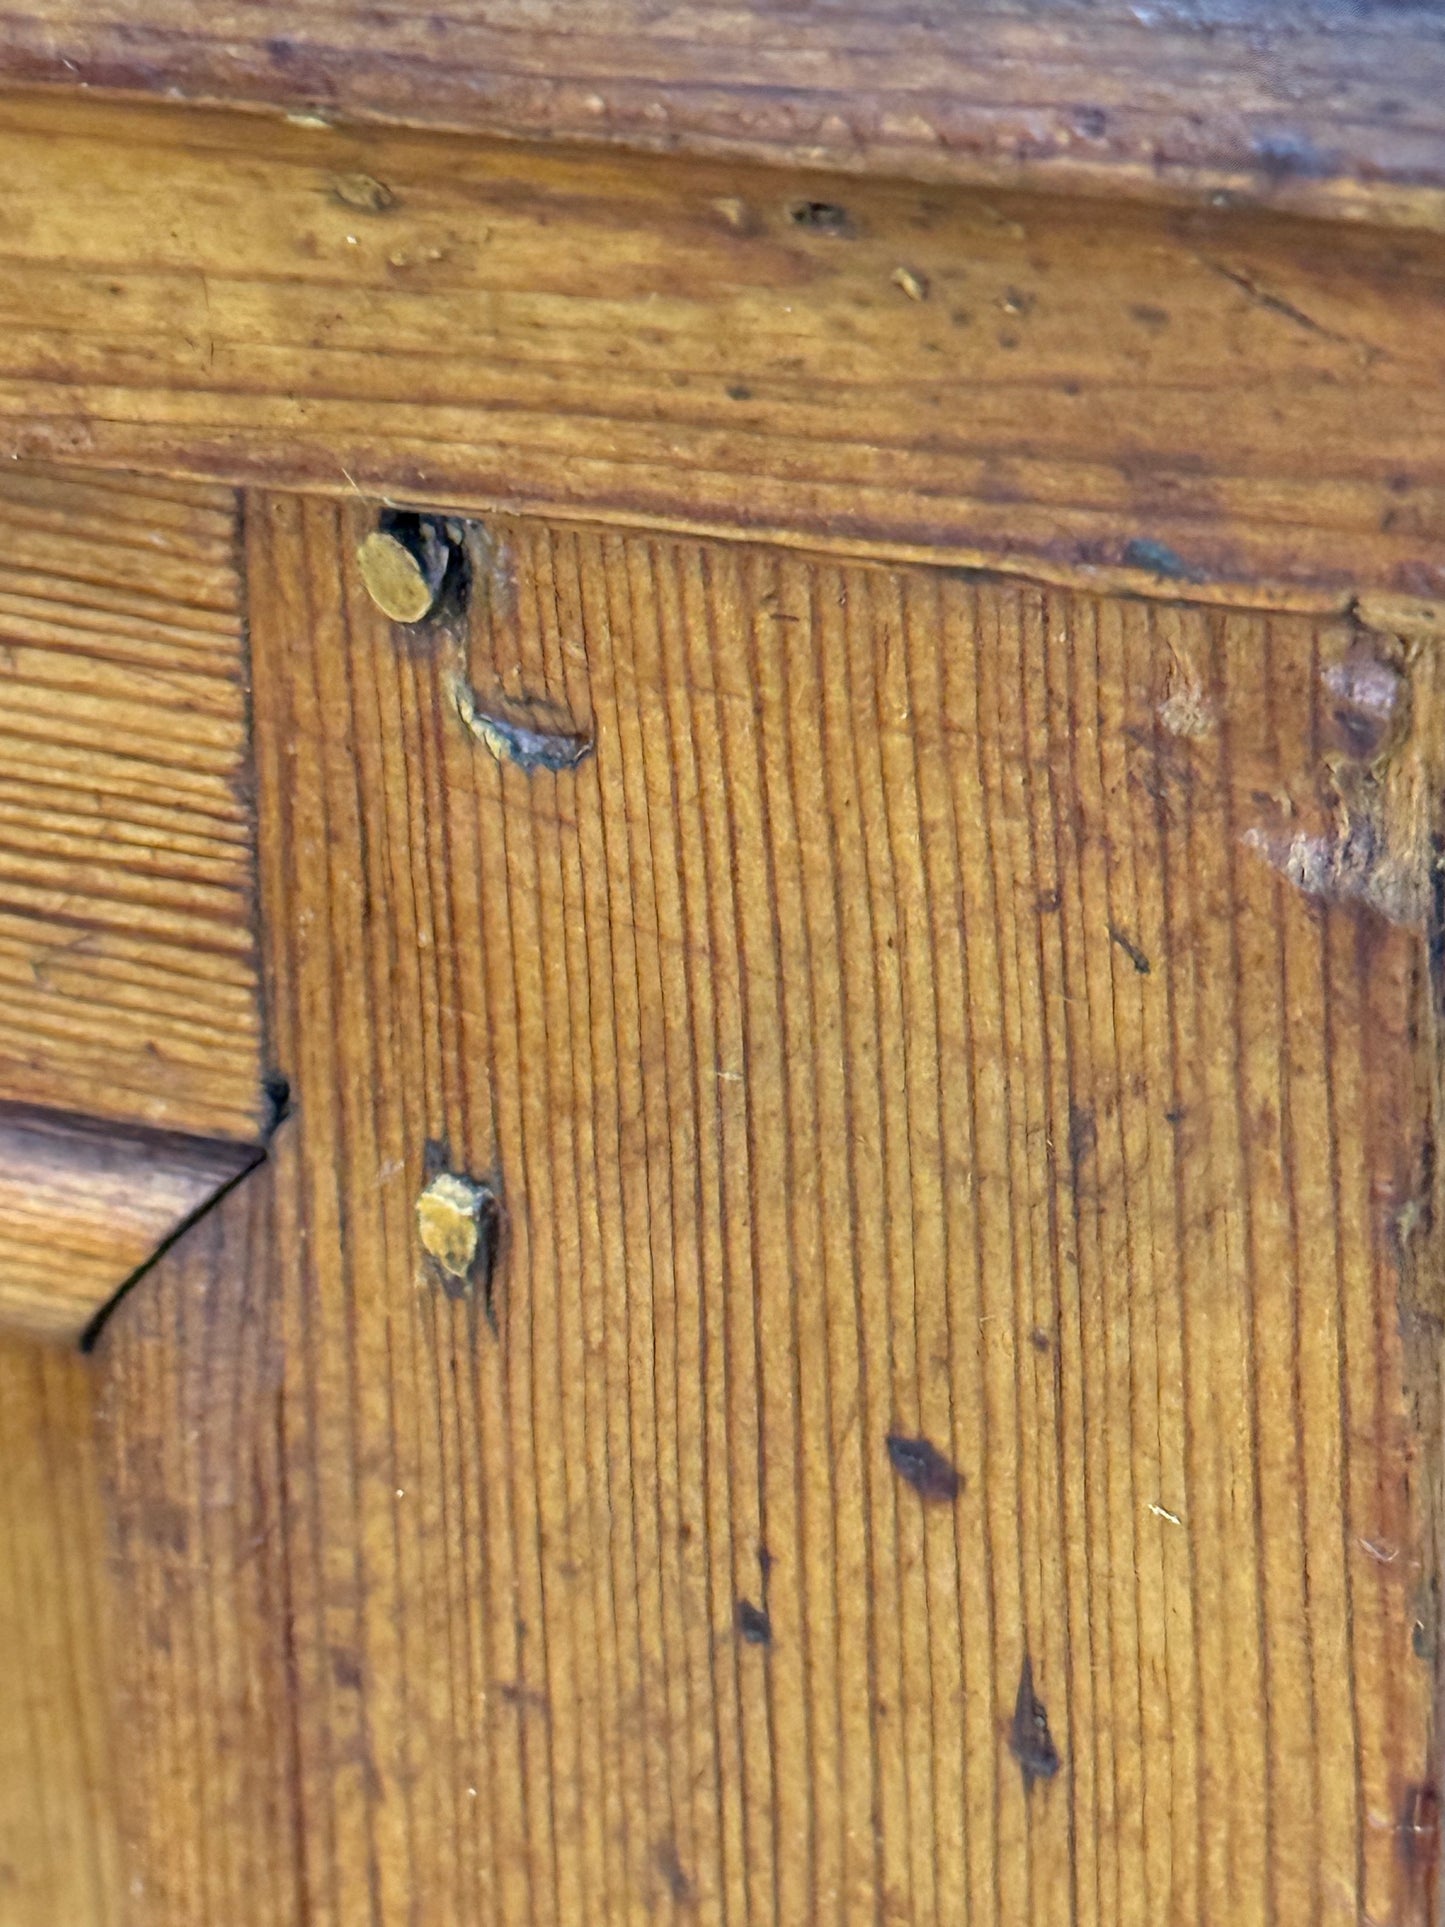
754	1625
821	217
1030	1740
276	1089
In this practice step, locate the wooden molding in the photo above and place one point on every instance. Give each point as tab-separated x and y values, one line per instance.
130	1033
1300	103
1207	404
82	1209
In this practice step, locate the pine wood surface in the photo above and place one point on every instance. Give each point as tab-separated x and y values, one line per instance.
1302	102
59	1857
82	1209
1202	402
127	950
960	1308
131	1081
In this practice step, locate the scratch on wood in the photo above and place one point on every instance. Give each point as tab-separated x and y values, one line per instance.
1277	305
1130	949
511	741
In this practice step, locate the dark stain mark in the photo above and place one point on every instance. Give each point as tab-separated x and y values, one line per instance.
664	1858
1176	1116
1143	552
512	741
346	1669
1130	949
821	217
766	1562
1289	156
754	1625
276	1090
1029	1739
739	391
1083	1136
1018	301
925	1468
526	1699
1040	1340
1048	901
1148	316
1091	122
1369	705
1417	1838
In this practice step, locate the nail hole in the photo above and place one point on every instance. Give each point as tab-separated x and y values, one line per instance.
821	217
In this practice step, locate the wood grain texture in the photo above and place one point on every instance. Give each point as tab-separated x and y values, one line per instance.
887	1038
1215	403
1305	102
83	1209
59	1861
128	978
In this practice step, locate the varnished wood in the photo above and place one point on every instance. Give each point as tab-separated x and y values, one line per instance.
1304	102
83	1208
131	1081
127	951
59	1859
1212	403
899	1051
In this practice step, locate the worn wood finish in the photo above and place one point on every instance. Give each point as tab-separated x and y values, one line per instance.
1332	108
130	1028
204	1686
59	1861
898	1059
127	951
1229	404
82	1209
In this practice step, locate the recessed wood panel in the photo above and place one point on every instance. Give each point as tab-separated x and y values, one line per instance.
944	1436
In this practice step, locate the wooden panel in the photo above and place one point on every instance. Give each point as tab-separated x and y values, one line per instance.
127	955
1336	109
191	1426
58	1853
900	1052
82	1209
1212	401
